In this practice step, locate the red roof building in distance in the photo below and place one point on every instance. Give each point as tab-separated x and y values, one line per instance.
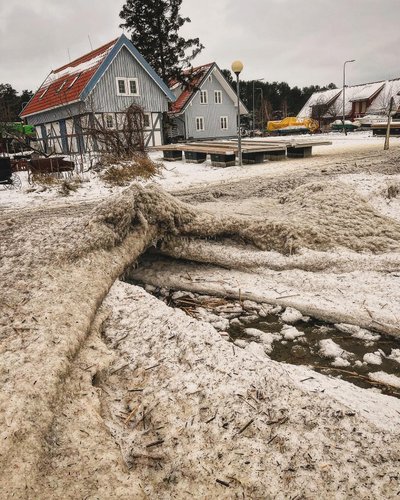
65	85
192	79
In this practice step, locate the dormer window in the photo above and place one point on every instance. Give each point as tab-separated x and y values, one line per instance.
203	97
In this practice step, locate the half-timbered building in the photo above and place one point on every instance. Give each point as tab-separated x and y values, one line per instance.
97	88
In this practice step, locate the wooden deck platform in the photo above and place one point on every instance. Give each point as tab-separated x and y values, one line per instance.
224	153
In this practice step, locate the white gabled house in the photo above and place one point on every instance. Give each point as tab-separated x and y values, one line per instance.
364	102
205	107
100	86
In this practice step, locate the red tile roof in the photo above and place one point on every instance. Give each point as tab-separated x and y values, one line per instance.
65	84
195	76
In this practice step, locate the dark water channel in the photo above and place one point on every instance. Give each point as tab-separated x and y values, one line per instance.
305	348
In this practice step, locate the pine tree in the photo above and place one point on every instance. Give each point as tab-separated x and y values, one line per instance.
154	27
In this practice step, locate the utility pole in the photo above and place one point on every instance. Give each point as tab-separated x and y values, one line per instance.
391	105
254	112
344	93
262	109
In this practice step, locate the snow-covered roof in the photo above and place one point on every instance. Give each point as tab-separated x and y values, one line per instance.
377	92
73	81
368	91
321	98
381	103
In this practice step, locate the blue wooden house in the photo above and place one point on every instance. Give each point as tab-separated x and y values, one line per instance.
205	107
98	86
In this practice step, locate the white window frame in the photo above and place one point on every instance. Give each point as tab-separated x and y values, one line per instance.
127	83
219	94
223	120
118	79
137	86
199	120
203	97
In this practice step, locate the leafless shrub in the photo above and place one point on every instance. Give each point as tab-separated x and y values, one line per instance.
49	181
119	141
67	186
45	179
140	167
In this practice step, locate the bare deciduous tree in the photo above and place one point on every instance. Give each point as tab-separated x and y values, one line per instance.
120	135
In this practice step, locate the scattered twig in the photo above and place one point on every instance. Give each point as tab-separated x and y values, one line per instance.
120	368
131	414
144	416
149	457
155	443
224	483
245	427
212	418
151	367
120	340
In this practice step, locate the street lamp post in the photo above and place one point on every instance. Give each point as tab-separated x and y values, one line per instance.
254	114
237	67
344	93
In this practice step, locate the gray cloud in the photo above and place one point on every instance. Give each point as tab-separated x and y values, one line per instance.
298	41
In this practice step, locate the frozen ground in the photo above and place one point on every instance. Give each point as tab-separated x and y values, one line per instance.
108	393
180	175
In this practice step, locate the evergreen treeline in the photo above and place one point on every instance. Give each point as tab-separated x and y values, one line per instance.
273	100
11	103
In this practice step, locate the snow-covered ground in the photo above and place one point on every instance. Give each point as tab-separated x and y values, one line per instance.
180	175
153	401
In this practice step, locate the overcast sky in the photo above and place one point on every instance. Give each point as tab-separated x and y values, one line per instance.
302	42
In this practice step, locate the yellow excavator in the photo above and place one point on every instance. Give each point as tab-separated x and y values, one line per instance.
292	125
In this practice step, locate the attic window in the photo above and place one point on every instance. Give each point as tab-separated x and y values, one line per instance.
203	97
127	86
121	87
74	80
218	96
62	86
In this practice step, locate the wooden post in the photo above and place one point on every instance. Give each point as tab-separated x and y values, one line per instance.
386	146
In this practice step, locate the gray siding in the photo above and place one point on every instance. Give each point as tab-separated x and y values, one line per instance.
57	114
69	137
104	96
211	113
